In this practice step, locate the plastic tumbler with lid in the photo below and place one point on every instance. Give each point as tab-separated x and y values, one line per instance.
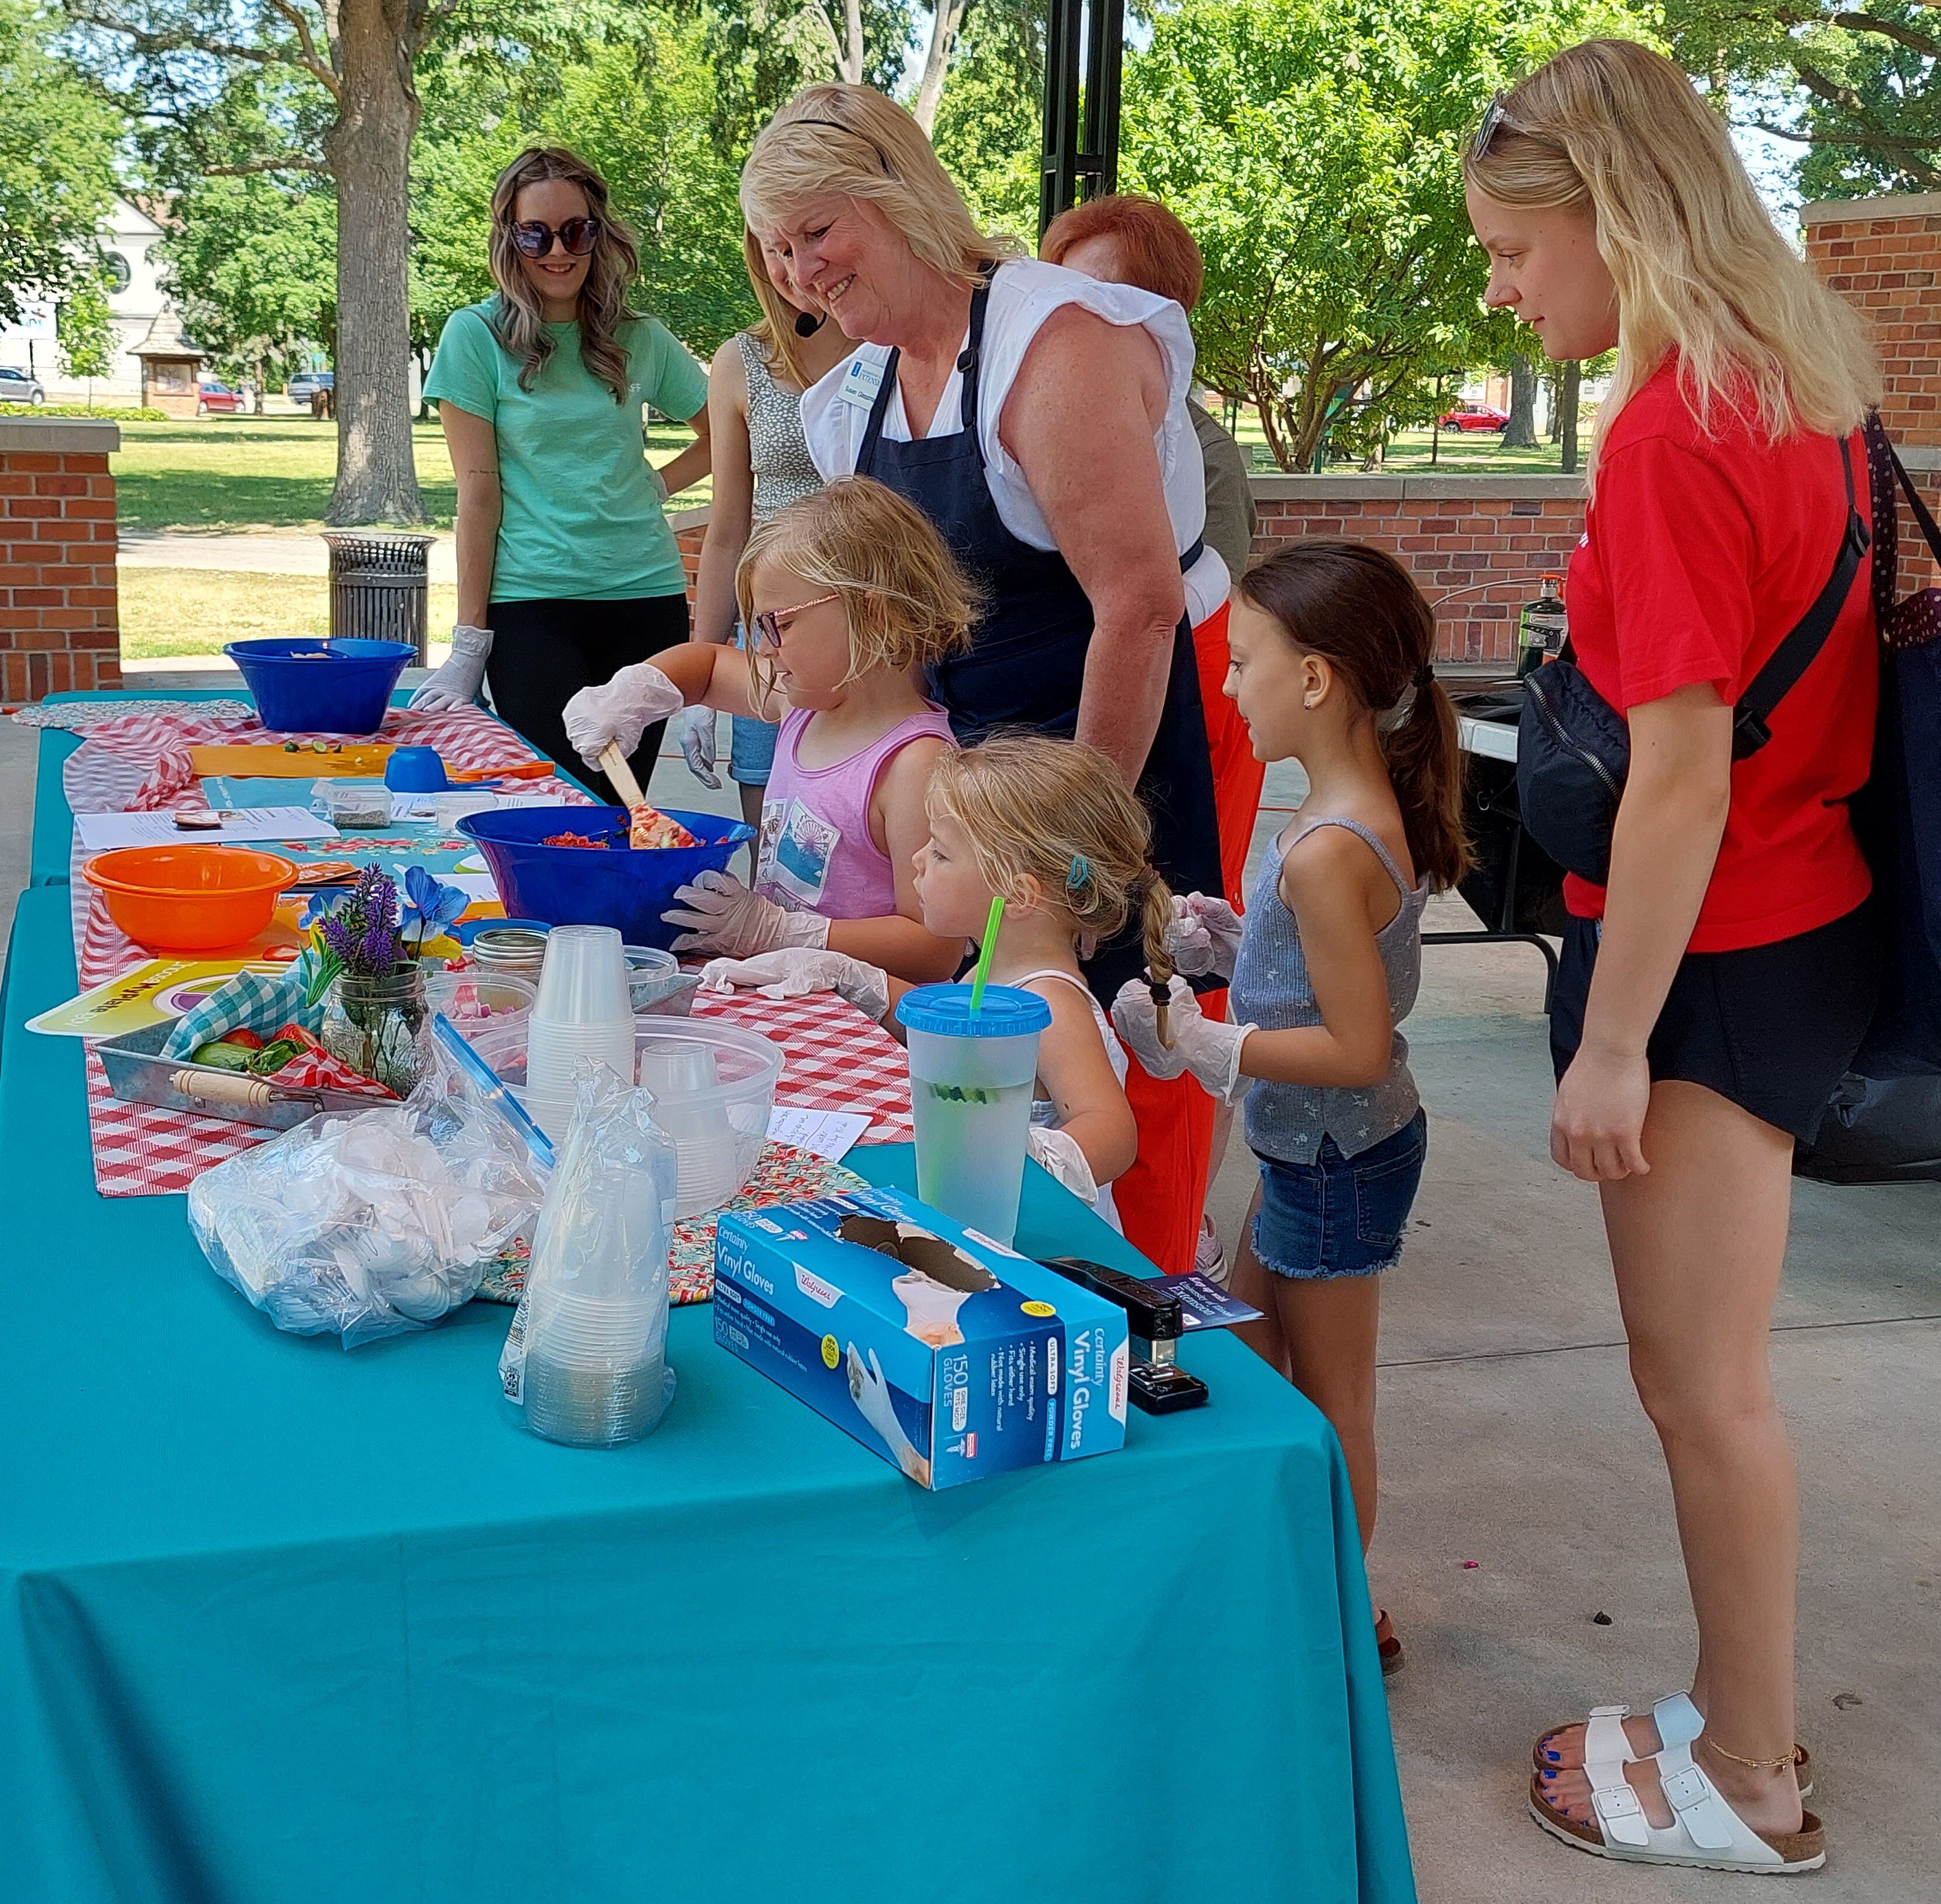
970	1077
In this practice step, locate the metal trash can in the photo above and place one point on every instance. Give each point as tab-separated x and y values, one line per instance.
378	586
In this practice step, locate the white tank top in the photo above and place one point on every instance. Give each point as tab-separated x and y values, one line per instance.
1044	1113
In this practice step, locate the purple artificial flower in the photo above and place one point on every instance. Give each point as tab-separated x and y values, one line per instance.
378	948
338	939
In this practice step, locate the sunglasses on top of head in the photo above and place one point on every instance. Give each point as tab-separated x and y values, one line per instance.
1496	120
577	236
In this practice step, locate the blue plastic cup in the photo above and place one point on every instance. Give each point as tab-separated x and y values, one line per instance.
971	1075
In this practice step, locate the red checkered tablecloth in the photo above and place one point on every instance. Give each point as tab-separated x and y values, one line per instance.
836	1058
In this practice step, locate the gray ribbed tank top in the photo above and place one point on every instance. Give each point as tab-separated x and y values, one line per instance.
1271	989
776	452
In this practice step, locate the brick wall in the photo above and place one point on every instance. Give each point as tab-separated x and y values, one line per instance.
59	625
1884	255
1478	545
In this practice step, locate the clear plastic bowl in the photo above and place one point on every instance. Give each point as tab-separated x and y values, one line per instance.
475	997
713	1087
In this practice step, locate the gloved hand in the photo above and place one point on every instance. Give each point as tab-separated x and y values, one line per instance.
1208	1048
797	970
723	916
620	712
457	684
1204	936
1058	1152
697	746
871	1395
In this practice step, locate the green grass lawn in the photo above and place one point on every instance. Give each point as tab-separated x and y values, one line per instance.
275	472
169	612
1479	453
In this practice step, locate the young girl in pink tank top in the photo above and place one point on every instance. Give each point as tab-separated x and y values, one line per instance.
848	595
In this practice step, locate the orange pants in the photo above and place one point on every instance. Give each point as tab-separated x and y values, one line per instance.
1160	1199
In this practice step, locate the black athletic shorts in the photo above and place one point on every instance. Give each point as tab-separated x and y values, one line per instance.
1772	1027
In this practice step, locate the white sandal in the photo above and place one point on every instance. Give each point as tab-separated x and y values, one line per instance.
1705	1831
1679	1722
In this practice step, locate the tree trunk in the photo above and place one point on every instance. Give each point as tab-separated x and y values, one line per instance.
1573	386
848	42
1521	431
947	22
369	151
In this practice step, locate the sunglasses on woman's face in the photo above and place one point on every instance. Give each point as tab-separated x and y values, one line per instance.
771	624
577	236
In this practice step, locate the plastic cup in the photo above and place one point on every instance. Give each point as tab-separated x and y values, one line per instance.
970	1092
584	979
596	1372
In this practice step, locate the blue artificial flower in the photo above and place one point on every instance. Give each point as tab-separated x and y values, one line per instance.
435	905
317	910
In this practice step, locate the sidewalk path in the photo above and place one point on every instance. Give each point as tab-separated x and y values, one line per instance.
255	555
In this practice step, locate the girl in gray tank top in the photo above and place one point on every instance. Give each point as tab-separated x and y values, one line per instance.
1329	647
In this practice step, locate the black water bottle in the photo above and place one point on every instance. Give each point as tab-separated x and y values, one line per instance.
1541	633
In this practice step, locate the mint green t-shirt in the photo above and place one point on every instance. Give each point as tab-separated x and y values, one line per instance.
582	517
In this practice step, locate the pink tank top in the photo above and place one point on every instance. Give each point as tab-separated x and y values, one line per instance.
817	853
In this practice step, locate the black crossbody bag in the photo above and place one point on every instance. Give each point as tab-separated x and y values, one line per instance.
1574	748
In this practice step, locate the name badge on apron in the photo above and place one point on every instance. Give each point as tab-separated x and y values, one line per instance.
860	383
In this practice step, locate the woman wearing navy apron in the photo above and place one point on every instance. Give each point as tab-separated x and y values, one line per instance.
1039	417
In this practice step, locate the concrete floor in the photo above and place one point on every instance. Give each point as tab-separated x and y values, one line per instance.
1510	1438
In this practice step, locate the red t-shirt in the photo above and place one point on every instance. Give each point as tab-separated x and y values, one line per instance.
1699	555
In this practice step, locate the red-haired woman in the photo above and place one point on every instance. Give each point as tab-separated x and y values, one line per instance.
1127	238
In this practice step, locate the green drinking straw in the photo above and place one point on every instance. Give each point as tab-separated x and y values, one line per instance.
983	968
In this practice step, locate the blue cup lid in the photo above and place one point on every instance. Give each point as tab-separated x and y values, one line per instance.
944	1010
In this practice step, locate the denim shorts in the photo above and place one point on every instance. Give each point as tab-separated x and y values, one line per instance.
751	750
1340	1216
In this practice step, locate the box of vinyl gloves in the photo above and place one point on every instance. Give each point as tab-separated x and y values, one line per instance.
935	1347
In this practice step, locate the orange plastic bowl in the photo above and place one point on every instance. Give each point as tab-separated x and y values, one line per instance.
190	898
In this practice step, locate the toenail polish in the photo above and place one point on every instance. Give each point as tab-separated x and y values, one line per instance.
1553	1756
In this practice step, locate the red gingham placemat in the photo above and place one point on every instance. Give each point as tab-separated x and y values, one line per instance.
838	1059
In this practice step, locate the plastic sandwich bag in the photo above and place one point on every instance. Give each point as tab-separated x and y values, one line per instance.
586	1356
368	1225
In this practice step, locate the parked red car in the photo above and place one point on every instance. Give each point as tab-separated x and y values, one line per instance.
213	399
1476	416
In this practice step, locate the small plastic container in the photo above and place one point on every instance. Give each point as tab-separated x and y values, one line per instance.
190	898
971	1096
474	996
656	983
301	685
356	804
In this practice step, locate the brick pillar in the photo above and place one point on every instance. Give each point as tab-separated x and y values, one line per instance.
60	627
1884	256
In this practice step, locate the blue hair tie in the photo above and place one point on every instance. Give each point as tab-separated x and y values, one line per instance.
1081	872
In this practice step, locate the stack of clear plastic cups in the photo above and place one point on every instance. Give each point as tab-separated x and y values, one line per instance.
594	1341
583	1015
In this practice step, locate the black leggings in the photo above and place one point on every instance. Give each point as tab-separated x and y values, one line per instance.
544	652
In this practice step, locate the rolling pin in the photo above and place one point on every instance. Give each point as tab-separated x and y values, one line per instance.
234	1088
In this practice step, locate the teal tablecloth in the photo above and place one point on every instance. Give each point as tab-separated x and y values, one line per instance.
286	1624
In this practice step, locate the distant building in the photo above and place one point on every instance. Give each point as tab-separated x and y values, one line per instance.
134	302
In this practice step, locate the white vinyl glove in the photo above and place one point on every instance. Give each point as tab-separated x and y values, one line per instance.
871	1395
797	970
1058	1152
1207	1048
724	916
619	712
1204	936
697	746
457	684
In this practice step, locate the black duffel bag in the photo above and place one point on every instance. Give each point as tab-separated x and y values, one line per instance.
1574	749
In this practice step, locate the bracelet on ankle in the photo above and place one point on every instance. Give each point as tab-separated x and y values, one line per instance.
1752	1764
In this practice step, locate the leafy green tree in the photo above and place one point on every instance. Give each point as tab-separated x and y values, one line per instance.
1856	85
1313	147
85	331
989	129
57	143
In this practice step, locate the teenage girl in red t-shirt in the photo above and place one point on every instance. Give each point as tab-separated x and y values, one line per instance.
1713	993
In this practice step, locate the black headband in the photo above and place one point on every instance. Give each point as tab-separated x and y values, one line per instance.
837	125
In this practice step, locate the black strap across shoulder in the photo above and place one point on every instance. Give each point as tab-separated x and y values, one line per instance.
1794	655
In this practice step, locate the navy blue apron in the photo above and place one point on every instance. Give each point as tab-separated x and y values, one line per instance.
1026	667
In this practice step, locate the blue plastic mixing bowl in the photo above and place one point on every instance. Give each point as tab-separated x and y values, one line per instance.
305	686
598	885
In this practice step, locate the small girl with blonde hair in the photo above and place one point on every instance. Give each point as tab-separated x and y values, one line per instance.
848	595
1050	825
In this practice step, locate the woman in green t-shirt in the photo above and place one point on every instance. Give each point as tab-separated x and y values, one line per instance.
567	571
